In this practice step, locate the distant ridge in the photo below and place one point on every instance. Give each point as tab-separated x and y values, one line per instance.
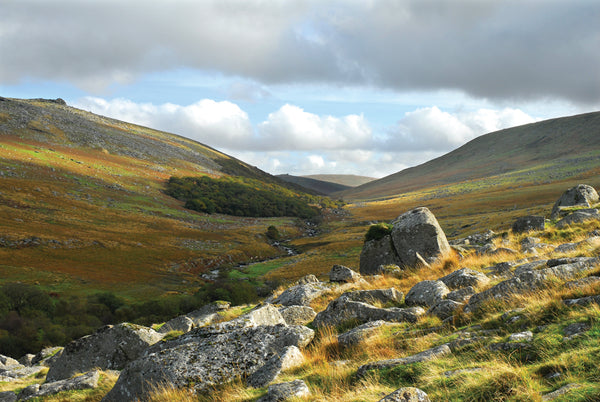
310	184
348	180
549	150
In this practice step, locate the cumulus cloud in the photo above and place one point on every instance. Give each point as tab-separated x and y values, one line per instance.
491	49
431	129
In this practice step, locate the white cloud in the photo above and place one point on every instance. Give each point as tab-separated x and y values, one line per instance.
431	129
291	127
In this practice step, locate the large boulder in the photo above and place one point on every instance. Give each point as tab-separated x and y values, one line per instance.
463	278
340	273
375	254
418	238
110	348
301	295
86	381
581	195
208	356
297	315
284	391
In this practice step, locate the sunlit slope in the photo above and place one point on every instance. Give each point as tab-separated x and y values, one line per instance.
82	204
542	152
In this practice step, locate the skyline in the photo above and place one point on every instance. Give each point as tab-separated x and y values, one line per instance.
306	87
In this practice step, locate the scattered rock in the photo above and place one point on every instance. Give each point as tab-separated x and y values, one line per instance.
208	314
560	392
301	295
528	224
526	336
444	308
572	331
285	391
429	354
583	301
461	295
464	277
7	362
111	347
297	315
291	357
452	373
8	396
426	293
307	279
383	296
580	195
407	394
360	333
340	273
86	381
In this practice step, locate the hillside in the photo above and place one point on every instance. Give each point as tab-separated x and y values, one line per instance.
349	180
83	207
547	151
311	184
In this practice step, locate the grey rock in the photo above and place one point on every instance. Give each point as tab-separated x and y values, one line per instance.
528	223
464	277
27	360
530	266
111	347
531	280
86	381
297	315
291	357
508	346
583	282
307	279
452	373
301	295
560	392
566	247
206	357
12	373
417	237
265	314
181	323
580	195
344	309
579	216
375	254
6	362
208	314
502	269
340	273
444	308
8	396
383	296
526	336
577	328
429	354
284	391
461	295
583	301
360	333
426	293
406	394
47	356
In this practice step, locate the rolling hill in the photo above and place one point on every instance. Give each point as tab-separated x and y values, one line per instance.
320	186
83	205
542	152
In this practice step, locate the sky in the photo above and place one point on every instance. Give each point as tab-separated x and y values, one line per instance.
366	87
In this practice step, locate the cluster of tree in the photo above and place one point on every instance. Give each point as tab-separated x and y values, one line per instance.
31	318
240	196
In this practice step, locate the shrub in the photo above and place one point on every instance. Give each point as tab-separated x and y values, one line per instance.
378	231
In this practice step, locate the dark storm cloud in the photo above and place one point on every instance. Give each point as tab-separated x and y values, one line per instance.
523	49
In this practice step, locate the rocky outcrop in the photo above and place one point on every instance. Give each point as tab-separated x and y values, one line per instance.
212	355
407	394
528	223
581	195
110	348
416	238
580	216
302	294
181	323
360	333
426	293
531	280
356	306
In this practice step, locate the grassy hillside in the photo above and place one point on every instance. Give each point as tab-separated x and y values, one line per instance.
82	205
543	152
